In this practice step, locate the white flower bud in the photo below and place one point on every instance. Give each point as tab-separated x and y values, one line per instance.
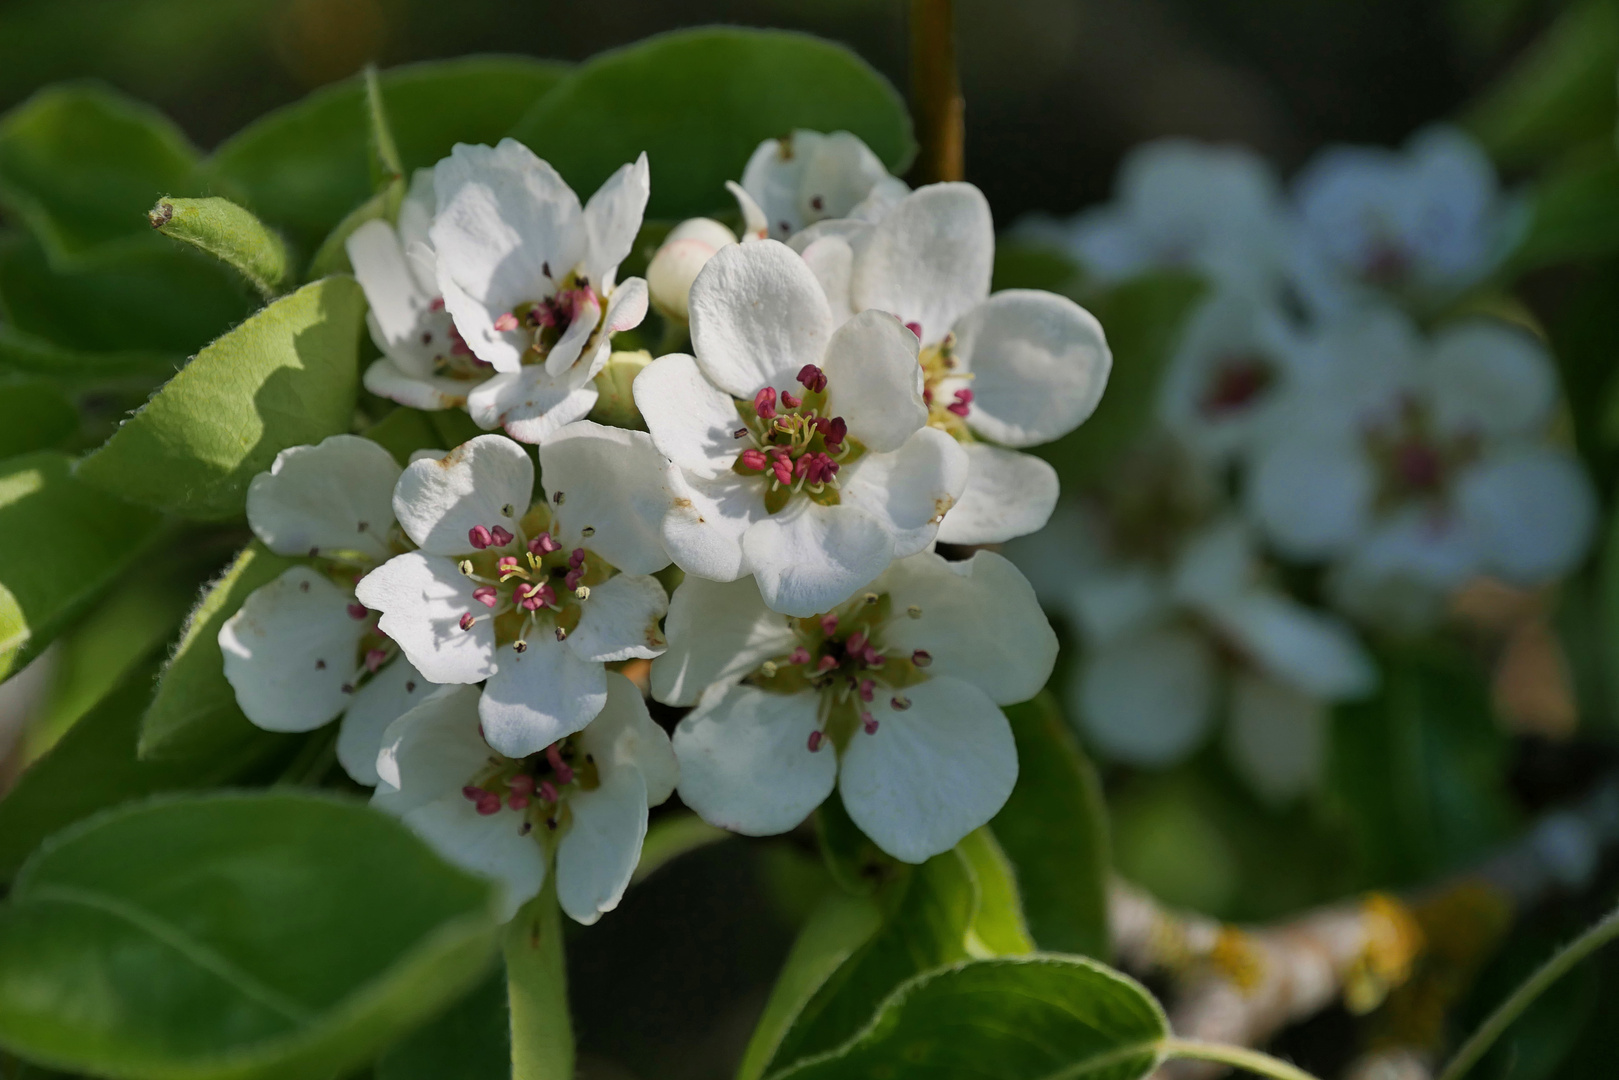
686	251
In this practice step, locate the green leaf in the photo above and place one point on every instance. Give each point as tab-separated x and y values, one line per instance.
194	713
469	1041
1034	1018
537	990
230	234
332	257
34	415
1559	92
165	301
1054	830
998	927
234	936
1575	214
80	164
700	101
670	837
1143	320
62	545
27	355
403	432
305	166
286	376
93	766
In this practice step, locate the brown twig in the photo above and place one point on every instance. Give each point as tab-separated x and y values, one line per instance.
936	93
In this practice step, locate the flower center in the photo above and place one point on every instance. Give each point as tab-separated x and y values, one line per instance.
535	788
546	320
840	656
1414	459
453	358
345	569
1238	381
944	388
526	582
795	448
1386	265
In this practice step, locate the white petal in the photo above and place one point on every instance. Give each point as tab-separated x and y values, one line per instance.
979	619
810	558
431	752
396	300
757	316
718	632
492	846
911	490
1490	378
1534	511
291	649
586	316
416	215
626	308
691	420
1039	364
385	378
1313	496
1216	565
1277	737
390	694
931	773
422	598
333	497
504	218
745	762
873	380
929	259
707	520
1307	649
831	260
1422	546
616	487
486	481
620	620
1147	699
539	695
625	734
532	403
1008	494
597	856
755	226
613	217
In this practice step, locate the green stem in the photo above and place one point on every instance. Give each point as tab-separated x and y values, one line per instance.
537	991
1509	1010
1239	1056
385	160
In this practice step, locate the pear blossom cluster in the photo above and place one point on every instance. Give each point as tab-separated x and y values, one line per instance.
1335	415
748	536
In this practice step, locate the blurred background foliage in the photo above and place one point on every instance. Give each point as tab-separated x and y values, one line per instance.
1424	779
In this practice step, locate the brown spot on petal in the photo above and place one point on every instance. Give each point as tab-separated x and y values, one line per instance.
941	507
682	504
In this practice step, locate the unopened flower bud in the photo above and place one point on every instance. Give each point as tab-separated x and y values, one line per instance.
683	255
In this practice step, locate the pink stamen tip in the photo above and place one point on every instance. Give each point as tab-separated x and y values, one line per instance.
437	304
812	378
815	740
799	655
790	400
868	689
543	544
547	791
576	559
500	536
522	784
915	328
869	722
764	403
553	756
921	658
871	657
485	595
836	431
506	323
516	801
573	578
827	663
754	459
927	396
357	611
467	620
783	471
964	396
960	408
801	467
374	659
488	803
480	537
472	792
856	643
829	623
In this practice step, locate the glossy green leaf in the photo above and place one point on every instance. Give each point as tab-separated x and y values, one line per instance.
1054	831
471	1040
34	415
81	164
220	228
234	936
165	301
26	355
305	166
93	766
1575	213
1143	319
62	544
332	257
286	376
699	102
403	432
998	927
194	713
1034	1018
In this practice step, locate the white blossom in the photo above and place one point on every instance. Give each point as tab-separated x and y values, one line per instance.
676	264
802	453
301	651
789	184
530	278
579	803
893	697
533	598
